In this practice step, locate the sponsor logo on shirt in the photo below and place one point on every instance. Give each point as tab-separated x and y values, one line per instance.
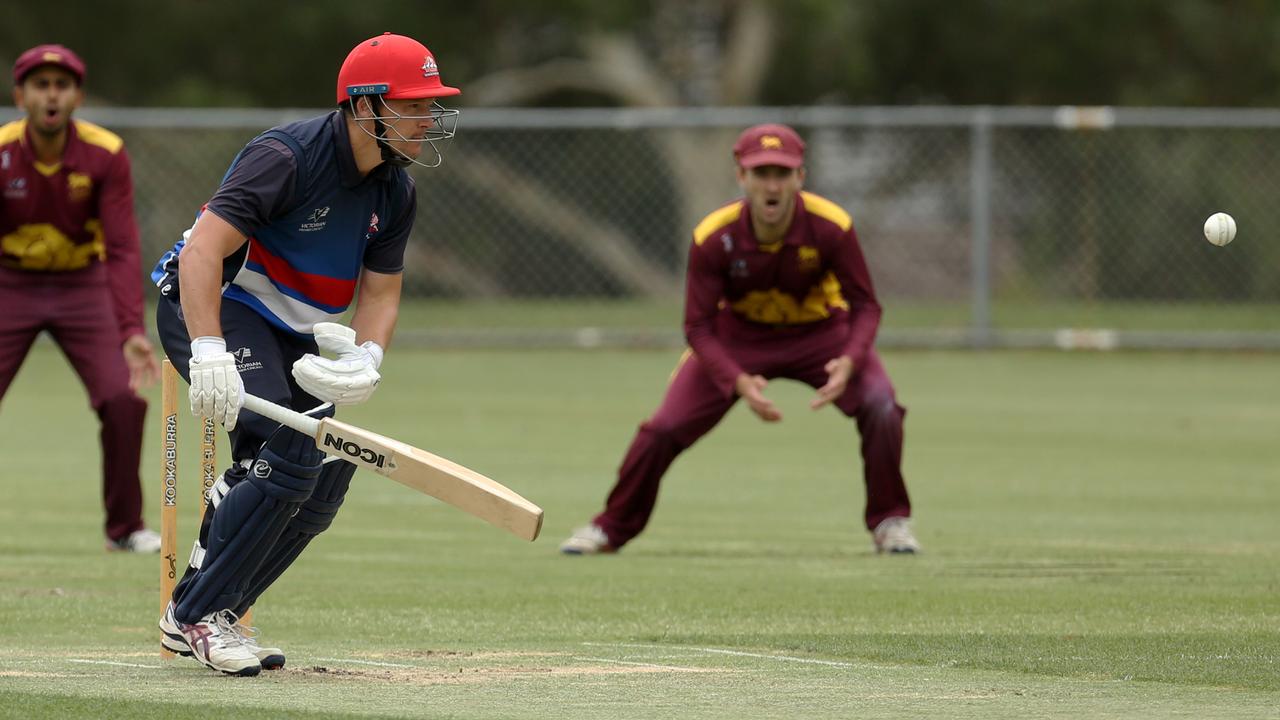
727	239
738	269
808	257
79	186
316	220
373	226
17	187
242	360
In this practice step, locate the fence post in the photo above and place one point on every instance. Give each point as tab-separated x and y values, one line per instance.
980	227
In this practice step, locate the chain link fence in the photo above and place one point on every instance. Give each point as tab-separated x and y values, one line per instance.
1072	227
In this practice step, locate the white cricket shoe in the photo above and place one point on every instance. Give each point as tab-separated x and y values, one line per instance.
271	658
587	540
893	535
138	541
214	642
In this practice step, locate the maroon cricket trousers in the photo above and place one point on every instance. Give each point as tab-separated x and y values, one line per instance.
75	309
693	405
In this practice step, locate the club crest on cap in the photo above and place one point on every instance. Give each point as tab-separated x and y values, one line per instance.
769	144
429	67
47	54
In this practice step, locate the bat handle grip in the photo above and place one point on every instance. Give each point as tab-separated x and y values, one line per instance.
283	415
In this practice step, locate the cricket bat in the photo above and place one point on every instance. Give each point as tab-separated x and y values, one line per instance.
425	472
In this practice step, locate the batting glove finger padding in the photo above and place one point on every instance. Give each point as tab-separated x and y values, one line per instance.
334	338
340	382
349	379
216	389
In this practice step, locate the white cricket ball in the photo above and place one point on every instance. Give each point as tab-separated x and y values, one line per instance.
1220	229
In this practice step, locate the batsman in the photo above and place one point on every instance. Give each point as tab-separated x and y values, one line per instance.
308	213
777	287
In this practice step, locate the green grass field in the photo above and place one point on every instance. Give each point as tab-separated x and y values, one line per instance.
1100	530
1010	314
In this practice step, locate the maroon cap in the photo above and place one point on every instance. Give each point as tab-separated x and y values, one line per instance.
769	145
48	55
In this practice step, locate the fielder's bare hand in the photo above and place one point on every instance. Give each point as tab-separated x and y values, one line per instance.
839	370
140	357
751	388
347	380
216	389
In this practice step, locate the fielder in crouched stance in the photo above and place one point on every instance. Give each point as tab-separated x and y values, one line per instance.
249	298
777	288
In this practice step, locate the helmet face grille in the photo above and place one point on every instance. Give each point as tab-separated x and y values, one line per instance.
443	126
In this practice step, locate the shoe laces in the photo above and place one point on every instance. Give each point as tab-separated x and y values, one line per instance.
228	624
248	635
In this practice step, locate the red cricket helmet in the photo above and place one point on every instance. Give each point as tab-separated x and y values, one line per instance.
393	66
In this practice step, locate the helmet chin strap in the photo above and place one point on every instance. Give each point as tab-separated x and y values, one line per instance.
390	155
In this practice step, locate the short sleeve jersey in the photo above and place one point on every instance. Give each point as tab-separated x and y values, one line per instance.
815	274
313	223
73	214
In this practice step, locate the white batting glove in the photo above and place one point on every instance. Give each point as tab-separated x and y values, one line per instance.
216	389
349	379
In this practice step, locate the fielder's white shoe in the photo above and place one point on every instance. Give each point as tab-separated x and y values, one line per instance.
214	642
271	658
893	535
138	541
587	540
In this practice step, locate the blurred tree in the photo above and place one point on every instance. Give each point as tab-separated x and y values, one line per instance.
681	52
1050	52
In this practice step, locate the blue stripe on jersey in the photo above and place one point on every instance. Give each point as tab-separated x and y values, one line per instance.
240	295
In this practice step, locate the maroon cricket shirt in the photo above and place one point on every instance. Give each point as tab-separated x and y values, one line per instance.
72	215
815	275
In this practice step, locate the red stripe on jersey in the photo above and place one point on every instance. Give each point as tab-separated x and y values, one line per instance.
332	292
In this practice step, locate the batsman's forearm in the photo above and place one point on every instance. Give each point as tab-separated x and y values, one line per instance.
377	308
376	324
200	277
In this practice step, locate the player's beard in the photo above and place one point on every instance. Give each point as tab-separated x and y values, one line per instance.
399	149
409	148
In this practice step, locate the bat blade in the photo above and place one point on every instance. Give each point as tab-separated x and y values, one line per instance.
433	475
438	477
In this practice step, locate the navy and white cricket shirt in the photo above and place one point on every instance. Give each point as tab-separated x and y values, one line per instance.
313	222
